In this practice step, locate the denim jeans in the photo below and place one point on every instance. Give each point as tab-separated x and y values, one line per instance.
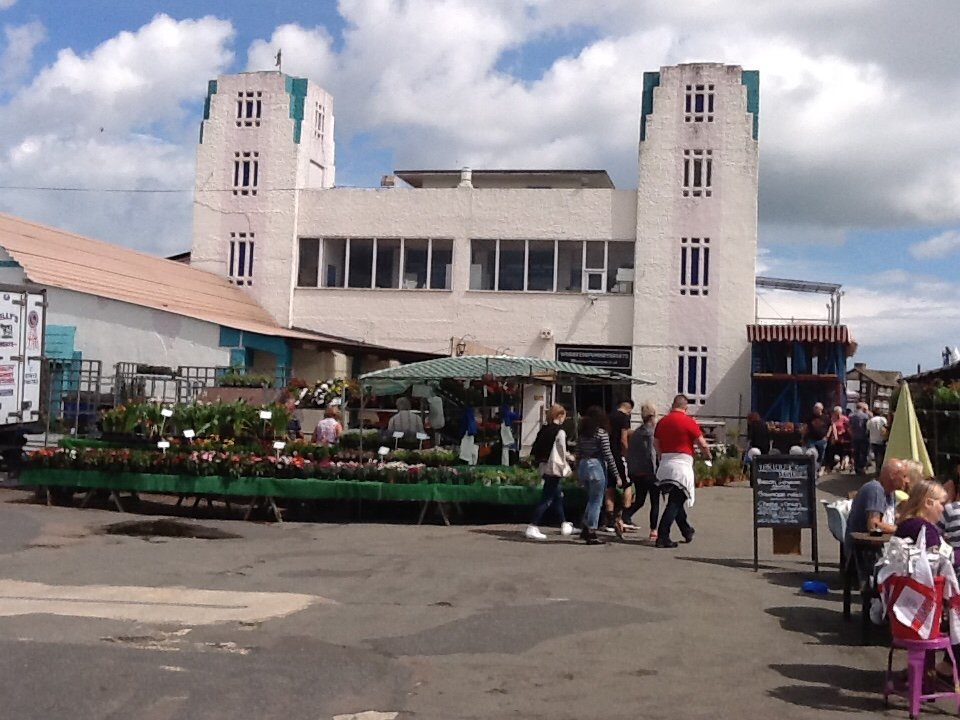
643	486
821	446
593	478
550	496
675	512
861	450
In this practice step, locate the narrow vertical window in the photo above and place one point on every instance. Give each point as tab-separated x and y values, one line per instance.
692	373
240	264
698	103
697	173
694	266
246	172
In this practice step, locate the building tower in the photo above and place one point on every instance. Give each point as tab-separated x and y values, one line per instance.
264	137
697	234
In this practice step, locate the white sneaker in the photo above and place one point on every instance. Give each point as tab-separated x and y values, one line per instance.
566	528
533	533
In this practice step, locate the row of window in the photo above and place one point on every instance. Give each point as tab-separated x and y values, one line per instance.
408	263
250	111
240	263
564	266
698	104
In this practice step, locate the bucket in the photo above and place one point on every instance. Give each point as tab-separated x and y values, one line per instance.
895	586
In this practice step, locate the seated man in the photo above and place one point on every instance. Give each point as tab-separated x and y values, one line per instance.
873	506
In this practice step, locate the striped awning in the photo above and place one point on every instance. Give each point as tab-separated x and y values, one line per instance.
472	367
800	333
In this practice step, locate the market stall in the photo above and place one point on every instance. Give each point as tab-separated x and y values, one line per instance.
238	450
535	378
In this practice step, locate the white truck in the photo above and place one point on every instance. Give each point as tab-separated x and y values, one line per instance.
23	315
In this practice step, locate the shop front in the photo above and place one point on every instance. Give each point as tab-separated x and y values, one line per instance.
578	397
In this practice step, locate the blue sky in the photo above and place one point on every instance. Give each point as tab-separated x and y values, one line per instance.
859	142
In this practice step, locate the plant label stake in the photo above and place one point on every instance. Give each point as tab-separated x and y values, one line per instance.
163	445
189	434
265	414
382	452
279	445
421	437
166	414
396	439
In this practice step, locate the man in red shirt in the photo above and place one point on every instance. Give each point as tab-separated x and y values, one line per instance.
675	437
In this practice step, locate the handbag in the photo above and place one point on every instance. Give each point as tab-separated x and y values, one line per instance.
557	465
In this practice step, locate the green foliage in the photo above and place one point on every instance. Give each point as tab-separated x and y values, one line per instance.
238	378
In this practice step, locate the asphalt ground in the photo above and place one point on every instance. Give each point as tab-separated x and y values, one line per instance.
323	620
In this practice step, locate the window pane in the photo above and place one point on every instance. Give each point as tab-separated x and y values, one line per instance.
695	266
441	262
482	264
595	254
540	265
414	263
594	281
698	102
680	374
241	258
250	262
706	266
361	263
388	262
233	250
703	376
569	266
691	375
697	172
511	264
683	266
334	261
620	267
308	271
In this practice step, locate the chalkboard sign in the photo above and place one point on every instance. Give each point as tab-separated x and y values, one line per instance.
783	491
784	495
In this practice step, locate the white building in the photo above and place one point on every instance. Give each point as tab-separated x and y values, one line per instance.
658	281
110	305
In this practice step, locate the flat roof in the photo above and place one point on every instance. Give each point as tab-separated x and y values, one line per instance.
588	178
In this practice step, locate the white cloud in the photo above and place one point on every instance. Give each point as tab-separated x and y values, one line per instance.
119	116
939	246
18	51
7	4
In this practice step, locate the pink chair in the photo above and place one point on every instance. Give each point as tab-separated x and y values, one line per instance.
922	682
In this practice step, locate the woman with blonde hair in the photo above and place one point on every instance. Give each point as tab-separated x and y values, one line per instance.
642	467
922	511
550	451
329	429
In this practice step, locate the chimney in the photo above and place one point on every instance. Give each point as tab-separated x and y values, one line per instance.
860	366
388	181
466	178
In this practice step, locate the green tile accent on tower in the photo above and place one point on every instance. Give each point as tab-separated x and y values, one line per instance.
751	80
650	81
211	90
297	90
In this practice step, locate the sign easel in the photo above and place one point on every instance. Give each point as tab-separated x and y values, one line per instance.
784	499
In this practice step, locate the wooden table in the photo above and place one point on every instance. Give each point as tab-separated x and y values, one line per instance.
867	549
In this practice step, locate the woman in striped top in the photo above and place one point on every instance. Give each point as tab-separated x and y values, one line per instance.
594	460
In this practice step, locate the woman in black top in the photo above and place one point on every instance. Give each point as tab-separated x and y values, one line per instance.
594	461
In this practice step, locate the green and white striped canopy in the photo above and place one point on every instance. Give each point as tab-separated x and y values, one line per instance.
502	367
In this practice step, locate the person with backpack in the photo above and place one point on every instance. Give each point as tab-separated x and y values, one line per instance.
550	452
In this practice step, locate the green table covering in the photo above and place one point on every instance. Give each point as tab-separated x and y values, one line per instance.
295	488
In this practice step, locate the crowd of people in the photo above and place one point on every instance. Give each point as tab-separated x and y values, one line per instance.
842	440
621	469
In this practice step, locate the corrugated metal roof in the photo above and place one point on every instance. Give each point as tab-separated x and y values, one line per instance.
500	366
800	333
57	258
